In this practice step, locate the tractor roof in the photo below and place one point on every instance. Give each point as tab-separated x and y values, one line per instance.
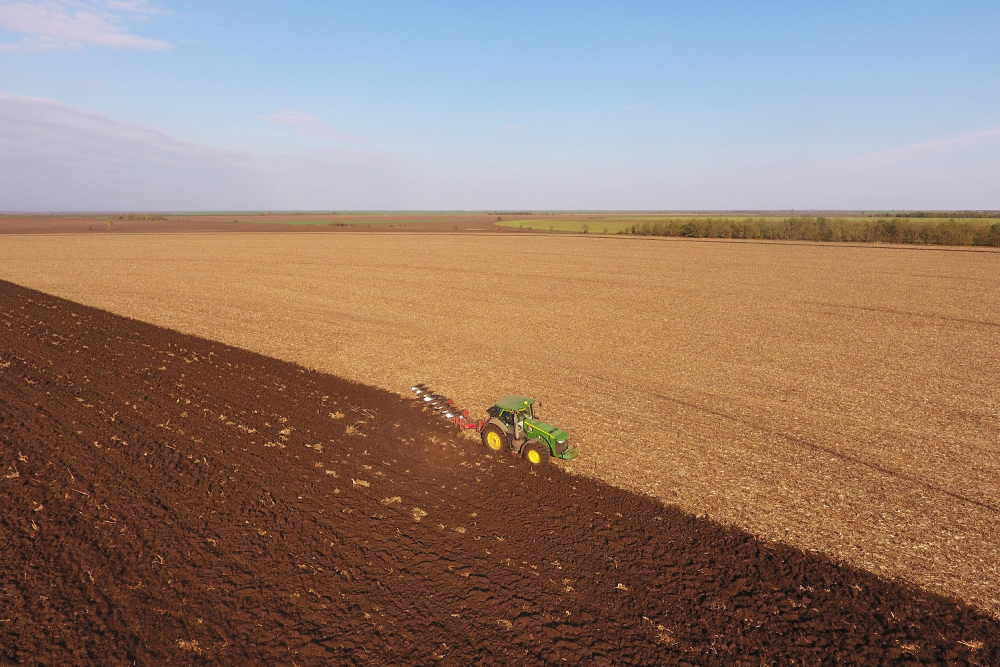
514	402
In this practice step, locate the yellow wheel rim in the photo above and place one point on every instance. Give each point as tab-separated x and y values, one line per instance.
493	441
534	456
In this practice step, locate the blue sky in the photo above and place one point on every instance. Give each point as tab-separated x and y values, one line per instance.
129	104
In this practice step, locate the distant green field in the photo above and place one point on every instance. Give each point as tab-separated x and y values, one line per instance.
861	229
622	224
610	226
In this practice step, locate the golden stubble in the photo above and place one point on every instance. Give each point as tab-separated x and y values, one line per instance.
838	398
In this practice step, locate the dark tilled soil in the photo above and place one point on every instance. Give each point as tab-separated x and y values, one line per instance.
167	499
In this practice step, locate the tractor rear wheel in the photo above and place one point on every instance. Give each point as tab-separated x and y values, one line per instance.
494	438
535	453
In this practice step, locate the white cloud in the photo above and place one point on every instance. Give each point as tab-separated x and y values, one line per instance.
927	149
56	157
296	118
958	172
135	6
52	25
308	123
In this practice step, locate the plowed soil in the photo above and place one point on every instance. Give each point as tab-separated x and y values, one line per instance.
168	499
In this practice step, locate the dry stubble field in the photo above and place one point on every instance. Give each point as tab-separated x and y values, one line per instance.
837	398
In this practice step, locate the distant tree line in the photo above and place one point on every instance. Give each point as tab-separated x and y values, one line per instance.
945	214
138	216
806	228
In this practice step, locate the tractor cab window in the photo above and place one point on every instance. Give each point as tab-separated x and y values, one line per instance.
507	417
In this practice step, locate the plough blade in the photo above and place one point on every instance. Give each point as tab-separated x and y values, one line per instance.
444	406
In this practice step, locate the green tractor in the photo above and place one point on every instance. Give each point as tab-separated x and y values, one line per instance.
511	425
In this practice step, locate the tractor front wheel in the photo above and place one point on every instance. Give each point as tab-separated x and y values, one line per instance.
535	453
494	438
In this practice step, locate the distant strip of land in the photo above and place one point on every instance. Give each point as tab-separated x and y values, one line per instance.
954	228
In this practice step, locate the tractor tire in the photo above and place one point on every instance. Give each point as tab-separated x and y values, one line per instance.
494	438
535	453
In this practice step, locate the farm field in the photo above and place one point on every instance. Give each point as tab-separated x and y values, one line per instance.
835	398
119	223
818	226
169	499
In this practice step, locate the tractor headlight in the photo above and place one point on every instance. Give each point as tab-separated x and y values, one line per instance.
560	442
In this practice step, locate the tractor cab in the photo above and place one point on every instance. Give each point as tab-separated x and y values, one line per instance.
512	411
